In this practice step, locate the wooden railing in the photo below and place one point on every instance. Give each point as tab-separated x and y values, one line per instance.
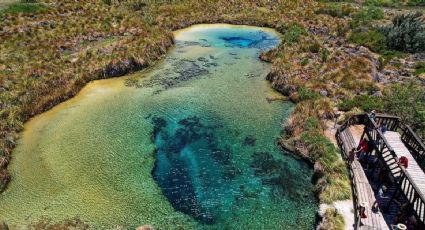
391	122
386	154
344	151
408	136
413	143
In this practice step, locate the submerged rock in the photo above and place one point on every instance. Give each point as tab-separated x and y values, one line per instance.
249	141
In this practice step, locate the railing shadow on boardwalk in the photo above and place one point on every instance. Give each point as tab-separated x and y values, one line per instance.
404	188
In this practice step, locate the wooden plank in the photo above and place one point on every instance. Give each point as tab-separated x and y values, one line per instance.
413	169
364	190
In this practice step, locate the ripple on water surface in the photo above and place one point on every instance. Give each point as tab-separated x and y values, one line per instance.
190	142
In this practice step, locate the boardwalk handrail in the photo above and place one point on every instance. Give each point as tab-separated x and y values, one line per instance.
413	142
344	152
402	178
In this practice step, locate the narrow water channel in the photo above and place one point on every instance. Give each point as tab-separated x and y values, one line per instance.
190	143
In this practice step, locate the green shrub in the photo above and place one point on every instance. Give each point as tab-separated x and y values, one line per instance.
324	149
406	33
324	54
305	61
407	100
336	10
364	102
107	2
314	48
416	3
293	33
25	8
307	94
371	39
419	68
386	3
367	15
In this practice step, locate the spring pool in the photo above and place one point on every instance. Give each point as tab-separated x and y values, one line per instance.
189	143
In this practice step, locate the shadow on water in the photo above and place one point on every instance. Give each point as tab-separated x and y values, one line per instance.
195	173
184	152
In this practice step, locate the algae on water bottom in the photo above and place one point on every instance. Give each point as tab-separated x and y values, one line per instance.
189	143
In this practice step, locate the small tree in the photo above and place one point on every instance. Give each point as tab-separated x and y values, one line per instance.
406	33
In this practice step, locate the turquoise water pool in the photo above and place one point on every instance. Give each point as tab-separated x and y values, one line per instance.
189	143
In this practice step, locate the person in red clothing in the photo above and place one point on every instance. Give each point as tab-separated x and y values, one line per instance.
362	149
404	162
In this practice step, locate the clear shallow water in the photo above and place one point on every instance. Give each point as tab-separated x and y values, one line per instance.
188	143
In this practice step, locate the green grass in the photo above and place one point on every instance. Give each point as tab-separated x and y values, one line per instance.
366	16
336	10
385	3
293	33
364	102
323	151
305	93
419	68
24	8
416	3
372	39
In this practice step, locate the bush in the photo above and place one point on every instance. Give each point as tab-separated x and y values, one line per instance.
314	48
29	7
364	102
307	94
416	3
366	15
324	55
419	68
293	33
407	100
407	33
372	39
386	3
336	10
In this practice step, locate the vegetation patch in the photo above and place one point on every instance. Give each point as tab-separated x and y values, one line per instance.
325	153
419	68
386	3
372	39
406	33
364	102
24	7
332	220
293	33
366	15
336	10
407	100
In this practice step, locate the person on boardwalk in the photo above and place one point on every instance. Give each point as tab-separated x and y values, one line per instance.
383	128
379	198
373	115
362	149
404	161
351	155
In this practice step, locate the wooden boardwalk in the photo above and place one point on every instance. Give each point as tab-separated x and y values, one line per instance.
413	168
362	189
402	201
